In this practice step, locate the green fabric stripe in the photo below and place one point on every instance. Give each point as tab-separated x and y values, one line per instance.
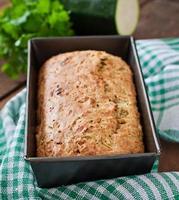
156	42
164	91
159	186
146	63
172	57
169	135
176	174
118	194
171	71
171	41
143	44
162	81
147	188
155	166
112	189
161	64
109	188
2	141
171	184
153	49
164	108
164	100
131	189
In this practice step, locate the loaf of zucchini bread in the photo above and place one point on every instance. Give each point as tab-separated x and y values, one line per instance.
87	106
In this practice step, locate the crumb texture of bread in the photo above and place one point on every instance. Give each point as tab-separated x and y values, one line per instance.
87	106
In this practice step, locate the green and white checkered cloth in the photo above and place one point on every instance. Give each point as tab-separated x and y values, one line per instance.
160	66
160	62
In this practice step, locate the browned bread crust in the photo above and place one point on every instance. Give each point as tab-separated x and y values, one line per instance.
87	106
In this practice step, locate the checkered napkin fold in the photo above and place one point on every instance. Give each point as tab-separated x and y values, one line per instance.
160	65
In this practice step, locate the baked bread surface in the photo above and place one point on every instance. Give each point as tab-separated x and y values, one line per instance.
87	106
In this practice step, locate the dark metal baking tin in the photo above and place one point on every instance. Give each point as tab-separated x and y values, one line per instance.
51	172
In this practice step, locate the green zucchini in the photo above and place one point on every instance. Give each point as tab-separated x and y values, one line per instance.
96	17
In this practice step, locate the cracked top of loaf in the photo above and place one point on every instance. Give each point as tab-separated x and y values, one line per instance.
87	106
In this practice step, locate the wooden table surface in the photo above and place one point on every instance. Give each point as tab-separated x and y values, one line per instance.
159	18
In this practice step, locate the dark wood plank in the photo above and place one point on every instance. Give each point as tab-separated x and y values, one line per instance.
8	85
159	18
169	160
144	2
4	101
3	2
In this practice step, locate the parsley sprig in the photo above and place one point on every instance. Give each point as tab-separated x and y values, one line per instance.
23	20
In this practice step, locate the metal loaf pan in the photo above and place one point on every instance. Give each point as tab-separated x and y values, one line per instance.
51	172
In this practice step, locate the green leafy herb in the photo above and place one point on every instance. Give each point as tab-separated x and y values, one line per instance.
23	20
